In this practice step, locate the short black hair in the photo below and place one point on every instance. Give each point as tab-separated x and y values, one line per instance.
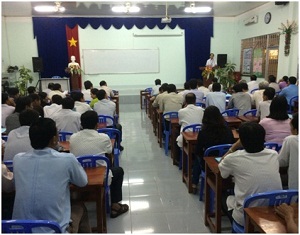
56	99
157	82
292	80
285	78
22	103
34	97
190	98
76	95
12	91
4	98
214	80
295	121
56	86
41	132
186	86
200	82
164	87
101	94
171	88
50	85
253	77
89	119
102	83
252	136
31	90
94	91
67	103
269	92
272	78
244	86
193	83
28	116
88	84
216	86
237	87
42	95
278	108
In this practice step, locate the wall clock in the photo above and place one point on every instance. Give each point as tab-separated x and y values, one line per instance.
268	17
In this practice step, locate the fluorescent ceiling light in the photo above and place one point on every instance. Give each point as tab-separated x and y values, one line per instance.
127	8
56	8
193	9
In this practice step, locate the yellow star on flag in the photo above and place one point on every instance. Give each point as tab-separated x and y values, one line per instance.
72	42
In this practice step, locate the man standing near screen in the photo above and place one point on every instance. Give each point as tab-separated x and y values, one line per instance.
211	61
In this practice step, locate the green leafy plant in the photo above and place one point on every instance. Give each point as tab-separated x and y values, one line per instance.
25	77
226	75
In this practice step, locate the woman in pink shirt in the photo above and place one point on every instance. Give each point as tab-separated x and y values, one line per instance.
277	124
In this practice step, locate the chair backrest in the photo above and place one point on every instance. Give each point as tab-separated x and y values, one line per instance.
200	104
27	226
105	118
169	115
231	112
271	198
64	135
251	112
292	102
9	165
149	90
193	128
4	137
113	133
252	91
272	145
217	150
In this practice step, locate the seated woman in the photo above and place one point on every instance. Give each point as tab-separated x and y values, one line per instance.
288	155
214	132
277	124
255	170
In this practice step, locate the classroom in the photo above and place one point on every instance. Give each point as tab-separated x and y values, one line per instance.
131	69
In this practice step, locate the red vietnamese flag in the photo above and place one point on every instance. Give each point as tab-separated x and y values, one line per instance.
73	47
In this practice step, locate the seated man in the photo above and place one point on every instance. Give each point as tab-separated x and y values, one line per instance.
89	142
94	100
257	96
157	103
18	139
202	88
87	90
253	84
36	103
240	100
66	119
291	90
56	91
7	107
42	182
263	109
54	107
80	106
155	89
255	170
216	98
171	102
193	84
109	92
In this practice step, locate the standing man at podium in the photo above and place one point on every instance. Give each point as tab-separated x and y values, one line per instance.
211	61
208	70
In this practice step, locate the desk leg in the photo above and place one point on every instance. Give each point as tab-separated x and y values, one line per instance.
160	132
249	227
184	160
189	170
218	203
141	100
207	196
101	211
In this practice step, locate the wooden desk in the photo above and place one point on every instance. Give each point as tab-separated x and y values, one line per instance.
214	182
175	131
265	220
154	119
143	93
159	127
232	121
95	189
150	108
235	134
248	118
189	140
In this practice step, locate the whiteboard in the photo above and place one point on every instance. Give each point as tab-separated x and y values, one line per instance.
101	61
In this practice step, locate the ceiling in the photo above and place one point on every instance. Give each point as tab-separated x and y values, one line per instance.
148	9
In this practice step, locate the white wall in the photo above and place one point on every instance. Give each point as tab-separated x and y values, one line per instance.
171	50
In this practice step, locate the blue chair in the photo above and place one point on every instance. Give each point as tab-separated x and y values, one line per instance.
252	91
9	165
292	104
64	135
272	145
191	128
4	137
271	198
200	104
87	101
251	112
217	151
105	118
117	135
231	112
91	161
27	226
167	128
149	90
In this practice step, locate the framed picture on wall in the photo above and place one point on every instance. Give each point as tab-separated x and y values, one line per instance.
247	59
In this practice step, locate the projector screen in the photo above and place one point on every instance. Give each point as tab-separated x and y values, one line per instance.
114	61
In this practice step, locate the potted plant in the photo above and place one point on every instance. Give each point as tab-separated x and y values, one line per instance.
226	75
25	77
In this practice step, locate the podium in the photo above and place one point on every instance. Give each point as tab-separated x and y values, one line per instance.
207	80
75	81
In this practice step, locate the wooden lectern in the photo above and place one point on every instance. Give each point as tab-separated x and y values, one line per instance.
75	81
207	80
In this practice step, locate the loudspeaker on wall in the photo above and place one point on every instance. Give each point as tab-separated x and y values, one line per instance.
222	60
37	64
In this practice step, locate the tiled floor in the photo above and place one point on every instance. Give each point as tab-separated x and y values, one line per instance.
158	199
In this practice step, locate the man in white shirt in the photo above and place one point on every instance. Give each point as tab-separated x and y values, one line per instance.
257	96
80	106
56	91
157	103
18	139
273	83
253	84
211	61
87	90
263	109
255	170
6	108
103	86
194	89
155	89
66	119
50	110
202	88
89	142
216	98
214	80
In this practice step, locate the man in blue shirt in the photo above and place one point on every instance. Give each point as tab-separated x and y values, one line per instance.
291	90
216	98
42	181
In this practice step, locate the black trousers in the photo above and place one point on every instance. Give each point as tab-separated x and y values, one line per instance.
116	184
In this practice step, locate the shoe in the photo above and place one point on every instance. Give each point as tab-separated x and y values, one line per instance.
121	148
123	209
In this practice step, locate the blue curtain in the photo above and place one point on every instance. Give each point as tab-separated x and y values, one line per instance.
52	43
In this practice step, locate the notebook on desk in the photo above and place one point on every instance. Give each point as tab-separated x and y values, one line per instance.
218	159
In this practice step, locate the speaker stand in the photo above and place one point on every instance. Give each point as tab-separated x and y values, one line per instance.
39	83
